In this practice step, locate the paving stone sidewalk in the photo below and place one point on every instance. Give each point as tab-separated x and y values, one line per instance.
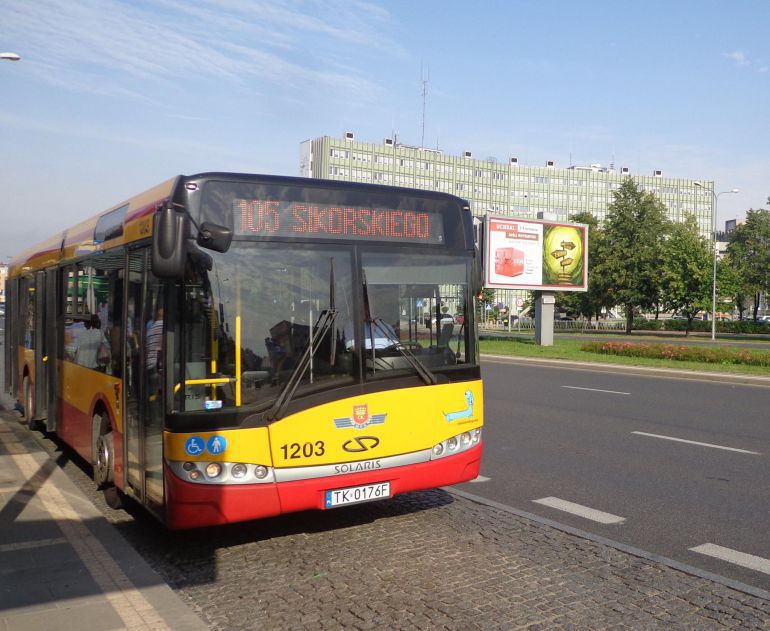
62	565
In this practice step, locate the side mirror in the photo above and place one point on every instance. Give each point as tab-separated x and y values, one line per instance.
214	237
169	243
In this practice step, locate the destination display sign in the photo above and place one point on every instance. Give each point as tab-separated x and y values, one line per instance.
273	218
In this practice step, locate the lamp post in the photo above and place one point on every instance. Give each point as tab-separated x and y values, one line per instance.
714	237
10	56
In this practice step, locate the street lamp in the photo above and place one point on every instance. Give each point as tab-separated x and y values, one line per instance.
714	237
10	56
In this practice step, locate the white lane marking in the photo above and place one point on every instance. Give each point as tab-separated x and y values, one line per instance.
695	442
733	556
581	511
595	390
481	478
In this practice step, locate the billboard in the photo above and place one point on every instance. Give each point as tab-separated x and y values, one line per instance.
535	254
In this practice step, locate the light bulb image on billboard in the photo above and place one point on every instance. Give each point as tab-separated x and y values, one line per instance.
535	254
562	255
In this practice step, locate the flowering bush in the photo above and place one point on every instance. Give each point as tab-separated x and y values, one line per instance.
680	352
703	326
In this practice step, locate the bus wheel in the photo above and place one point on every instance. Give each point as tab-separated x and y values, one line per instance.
104	468
28	404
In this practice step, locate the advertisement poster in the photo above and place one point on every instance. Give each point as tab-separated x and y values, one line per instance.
535	254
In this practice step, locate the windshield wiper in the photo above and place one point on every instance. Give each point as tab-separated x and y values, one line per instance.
425	374
324	324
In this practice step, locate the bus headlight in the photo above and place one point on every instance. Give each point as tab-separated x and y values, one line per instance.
260	472
195	474
239	470
456	444
213	470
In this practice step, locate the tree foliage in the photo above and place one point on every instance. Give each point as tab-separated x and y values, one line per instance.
634	234
686	270
749	253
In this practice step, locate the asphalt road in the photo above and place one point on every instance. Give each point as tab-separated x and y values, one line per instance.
555	435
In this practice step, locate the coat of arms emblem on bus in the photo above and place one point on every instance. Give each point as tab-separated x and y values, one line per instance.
360	419
467	412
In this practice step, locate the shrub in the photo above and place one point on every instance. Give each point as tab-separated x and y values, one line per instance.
643	324
708	355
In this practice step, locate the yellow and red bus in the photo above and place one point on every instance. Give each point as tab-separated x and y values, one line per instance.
226	347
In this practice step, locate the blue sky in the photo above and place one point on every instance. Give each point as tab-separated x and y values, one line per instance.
113	97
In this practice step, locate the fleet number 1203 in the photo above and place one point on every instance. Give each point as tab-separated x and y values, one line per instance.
304	450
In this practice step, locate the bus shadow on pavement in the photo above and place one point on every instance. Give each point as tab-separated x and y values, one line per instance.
189	557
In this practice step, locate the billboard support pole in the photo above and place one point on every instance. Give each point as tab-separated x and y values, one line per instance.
544	307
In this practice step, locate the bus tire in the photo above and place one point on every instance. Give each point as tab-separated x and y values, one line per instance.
29	410
104	460
104	466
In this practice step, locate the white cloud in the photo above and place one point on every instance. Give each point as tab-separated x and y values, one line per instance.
743	60
738	57
124	48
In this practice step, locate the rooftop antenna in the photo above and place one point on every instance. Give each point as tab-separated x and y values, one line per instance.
424	91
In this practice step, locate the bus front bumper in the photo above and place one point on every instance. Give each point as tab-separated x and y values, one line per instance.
190	505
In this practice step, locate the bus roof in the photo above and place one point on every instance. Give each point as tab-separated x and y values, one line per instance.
136	222
131	219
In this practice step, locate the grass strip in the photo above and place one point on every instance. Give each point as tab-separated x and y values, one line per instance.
572	350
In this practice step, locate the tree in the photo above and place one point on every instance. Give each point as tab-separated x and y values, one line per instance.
634	230
730	286
590	303
749	253
686	270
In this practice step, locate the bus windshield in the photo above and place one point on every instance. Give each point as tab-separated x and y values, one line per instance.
247	322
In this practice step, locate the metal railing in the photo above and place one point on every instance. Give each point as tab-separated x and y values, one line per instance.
528	324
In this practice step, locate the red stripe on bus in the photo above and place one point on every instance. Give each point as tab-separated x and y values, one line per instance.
190	505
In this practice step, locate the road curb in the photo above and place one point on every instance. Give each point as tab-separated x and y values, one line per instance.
674	373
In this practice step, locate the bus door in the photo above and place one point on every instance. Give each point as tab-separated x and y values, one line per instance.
143	370
41	350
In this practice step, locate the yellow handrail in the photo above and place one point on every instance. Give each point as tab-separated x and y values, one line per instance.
237	361
203	382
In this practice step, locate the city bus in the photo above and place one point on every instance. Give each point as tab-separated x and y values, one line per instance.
227	347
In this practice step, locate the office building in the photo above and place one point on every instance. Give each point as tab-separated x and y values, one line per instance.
499	187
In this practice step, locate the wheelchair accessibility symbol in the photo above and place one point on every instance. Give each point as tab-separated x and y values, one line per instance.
195	446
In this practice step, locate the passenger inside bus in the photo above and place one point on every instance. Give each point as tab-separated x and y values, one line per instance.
90	348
